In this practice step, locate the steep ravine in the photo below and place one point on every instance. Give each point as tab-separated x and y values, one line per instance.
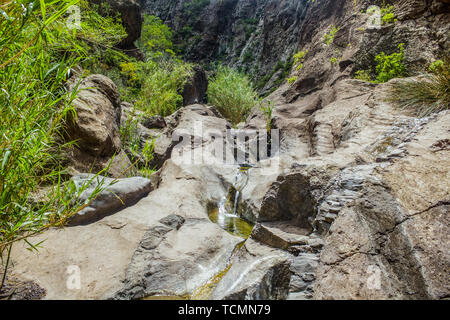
257	36
354	205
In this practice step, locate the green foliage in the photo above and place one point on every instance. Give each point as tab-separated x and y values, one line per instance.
387	14
426	94
250	26
436	66
291	80
299	58
194	7
363	75
142	156
129	134
156	37
266	107
153	85
390	66
161	86
232	93
328	38
37	51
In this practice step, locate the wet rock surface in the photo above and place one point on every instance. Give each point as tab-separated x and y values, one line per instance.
258	272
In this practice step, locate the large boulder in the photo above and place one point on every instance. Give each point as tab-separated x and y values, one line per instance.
95	126
97	119
194	90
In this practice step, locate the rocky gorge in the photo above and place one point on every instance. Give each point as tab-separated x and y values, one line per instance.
353	204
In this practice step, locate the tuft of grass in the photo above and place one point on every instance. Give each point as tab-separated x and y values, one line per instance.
161	87
232	93
426	94
266	108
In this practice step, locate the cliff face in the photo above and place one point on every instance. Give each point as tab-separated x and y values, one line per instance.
260	36
422	26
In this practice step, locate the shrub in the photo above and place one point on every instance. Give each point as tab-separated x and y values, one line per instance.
299	58
436	66
160	92
328	38
390	66
232	93
427	94
291	80
156	37
363	75
387	14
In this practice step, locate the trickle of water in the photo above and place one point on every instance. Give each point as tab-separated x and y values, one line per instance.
240	180
236	202
239	183
230	222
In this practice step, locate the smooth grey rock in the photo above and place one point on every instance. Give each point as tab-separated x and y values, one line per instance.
175	262
117	194
289	198
277	235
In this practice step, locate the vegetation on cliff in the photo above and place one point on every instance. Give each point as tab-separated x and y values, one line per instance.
425	94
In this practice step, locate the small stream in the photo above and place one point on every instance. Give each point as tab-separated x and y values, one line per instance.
230	222
225	214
